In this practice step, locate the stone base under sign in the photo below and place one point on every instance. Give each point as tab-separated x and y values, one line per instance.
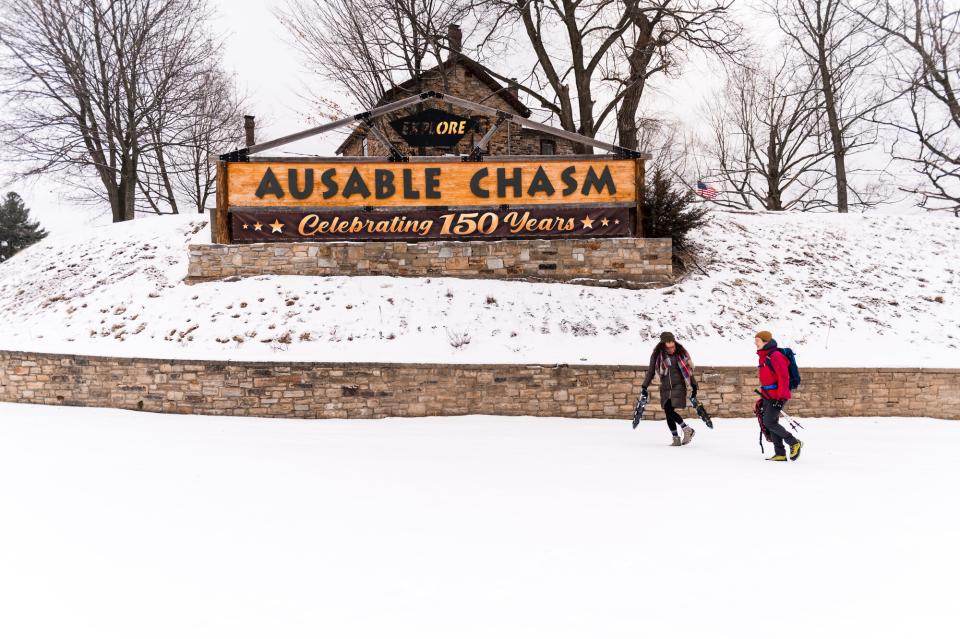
620	262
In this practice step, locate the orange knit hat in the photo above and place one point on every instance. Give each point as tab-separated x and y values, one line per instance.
765	336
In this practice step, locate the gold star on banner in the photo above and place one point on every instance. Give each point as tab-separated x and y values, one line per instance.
276	226
257	226
587	222
605	222
246	226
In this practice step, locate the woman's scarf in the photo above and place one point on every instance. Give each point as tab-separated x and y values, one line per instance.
683	361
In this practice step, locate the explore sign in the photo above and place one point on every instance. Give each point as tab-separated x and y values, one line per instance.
434	128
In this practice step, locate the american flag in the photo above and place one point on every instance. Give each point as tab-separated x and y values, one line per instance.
706	192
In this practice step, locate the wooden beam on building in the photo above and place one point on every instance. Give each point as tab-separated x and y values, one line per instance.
641	177
220	224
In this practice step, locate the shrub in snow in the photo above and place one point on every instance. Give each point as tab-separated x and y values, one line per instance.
668	210
458	339
582	328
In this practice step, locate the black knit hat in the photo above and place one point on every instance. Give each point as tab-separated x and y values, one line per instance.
667	336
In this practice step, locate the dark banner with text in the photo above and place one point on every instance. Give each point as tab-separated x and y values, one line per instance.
319	226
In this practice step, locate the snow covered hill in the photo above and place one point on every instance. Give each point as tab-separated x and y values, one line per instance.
844	290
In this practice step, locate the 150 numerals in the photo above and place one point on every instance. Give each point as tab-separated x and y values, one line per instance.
469	223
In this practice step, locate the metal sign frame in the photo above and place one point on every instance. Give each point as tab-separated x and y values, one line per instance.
243	154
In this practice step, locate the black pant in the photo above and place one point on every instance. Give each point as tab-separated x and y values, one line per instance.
673	417
778	434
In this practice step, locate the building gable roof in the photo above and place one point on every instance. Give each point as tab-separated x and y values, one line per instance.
406	88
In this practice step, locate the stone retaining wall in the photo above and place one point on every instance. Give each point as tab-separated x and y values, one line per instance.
319	390
624	262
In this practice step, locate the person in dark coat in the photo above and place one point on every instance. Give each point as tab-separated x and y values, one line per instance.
774	375
672	364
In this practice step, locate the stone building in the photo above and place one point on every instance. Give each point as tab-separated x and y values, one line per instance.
462	77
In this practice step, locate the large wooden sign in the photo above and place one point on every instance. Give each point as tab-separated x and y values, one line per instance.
546	197
420	184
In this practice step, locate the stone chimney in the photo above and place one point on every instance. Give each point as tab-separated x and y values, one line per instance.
249	128
454	40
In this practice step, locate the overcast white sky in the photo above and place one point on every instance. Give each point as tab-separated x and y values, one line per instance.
271	72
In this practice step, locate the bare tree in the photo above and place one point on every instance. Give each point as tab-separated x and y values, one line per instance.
190	64
670	144
85	78
182	139
766	139
181	146
924	72
660	36
838	44
369	47
581	47
216	126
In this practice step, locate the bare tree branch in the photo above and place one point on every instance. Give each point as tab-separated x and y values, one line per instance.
923	72
90	86
766	141
837	43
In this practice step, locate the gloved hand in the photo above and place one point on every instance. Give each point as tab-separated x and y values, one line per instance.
643	393
778	404
693	391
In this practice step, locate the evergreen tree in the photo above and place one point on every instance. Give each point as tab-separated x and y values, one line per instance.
17	232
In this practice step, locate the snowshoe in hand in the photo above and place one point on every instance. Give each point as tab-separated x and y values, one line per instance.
701	412
638	410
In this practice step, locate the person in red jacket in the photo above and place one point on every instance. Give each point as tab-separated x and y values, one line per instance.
775	391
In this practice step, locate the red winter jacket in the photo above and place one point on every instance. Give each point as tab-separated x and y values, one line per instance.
779	374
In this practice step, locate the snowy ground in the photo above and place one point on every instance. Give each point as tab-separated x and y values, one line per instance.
121	524
846	290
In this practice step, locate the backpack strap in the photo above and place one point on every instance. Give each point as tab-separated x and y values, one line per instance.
769	355
774	371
